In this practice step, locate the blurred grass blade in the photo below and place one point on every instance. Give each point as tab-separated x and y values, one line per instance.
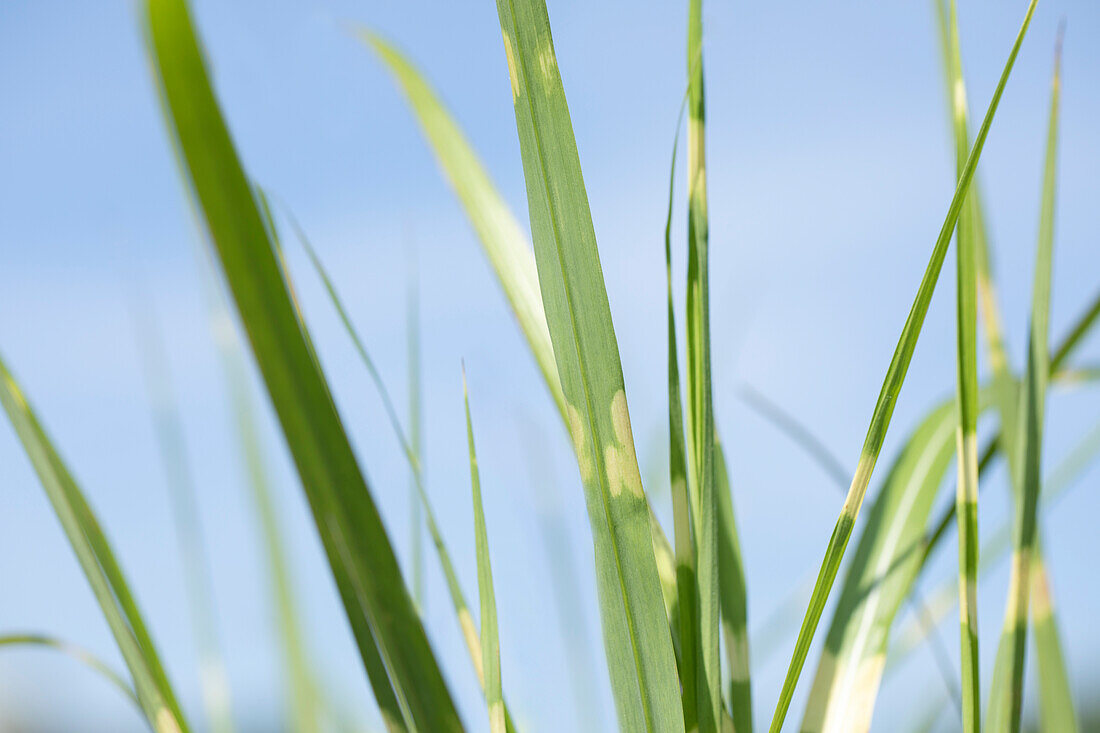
700	415
213	680
501	236
490	640
637	640
78	653
879	578
93	552
375	597
303	702
1006	694
685	613
454	588
884	407
416	441
966	493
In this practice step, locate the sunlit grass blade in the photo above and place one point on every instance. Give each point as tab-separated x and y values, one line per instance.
502	238
1056	707
454	588
878	580
1006	694
213	680
375	597
966	493
733	597
490	640
77	653
700	410
884	407
93	552
637	640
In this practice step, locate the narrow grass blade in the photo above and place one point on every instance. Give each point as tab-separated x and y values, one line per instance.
490	640
375	597
966	494
700	415
505	244
685	614
77	653
637	640
93	552
1006	694
879	578
732	597
454	588
1056	708
416	441
213	680
884	407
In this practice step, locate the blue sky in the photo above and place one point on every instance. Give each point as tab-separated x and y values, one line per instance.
830	172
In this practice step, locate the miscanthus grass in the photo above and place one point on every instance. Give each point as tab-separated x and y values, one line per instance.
672	610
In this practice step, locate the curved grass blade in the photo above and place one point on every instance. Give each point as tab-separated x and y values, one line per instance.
77	653
375	597
490	640
966	493
884	407
700	406
454	588
637	640
1006	694
879	578
93	552
213	680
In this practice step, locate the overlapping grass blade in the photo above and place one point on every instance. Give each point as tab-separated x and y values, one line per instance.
93	552
454	588
490	640
77	653
375	597
966	493
879	578
504	242
213	680
732	597
637	641
700	406
1006	694
884	407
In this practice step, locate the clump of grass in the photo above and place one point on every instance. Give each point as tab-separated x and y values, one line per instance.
667	608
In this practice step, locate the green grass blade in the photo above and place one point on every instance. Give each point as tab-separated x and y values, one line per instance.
375	597
700	406
454	588
1006	695
966	495
884	407
637	640
879	578
77	653
685	613
1056	707
213	680
732	596
96	559
1081	328
416	440
490	640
